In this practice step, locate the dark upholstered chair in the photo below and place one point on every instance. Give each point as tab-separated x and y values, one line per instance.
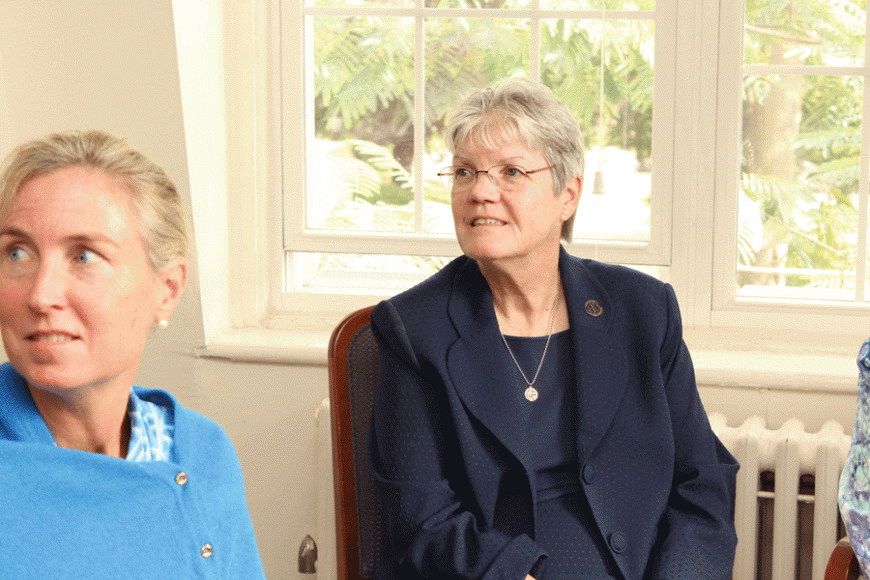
360	535
842	565
353	373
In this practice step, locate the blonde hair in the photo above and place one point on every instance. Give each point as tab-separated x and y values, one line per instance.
153	197
528	112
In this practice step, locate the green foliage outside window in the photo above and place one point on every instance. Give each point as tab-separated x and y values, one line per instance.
364	83
801	134
801	150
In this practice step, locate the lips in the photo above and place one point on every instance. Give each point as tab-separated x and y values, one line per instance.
51	337
487	222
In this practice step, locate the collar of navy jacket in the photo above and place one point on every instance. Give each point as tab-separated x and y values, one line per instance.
478	358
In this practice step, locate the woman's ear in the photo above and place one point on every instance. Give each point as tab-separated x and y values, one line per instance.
171	283
571	196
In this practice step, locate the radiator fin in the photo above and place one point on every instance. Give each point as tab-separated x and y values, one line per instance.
789	453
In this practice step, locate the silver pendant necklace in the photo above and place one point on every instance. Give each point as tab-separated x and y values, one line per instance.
531	392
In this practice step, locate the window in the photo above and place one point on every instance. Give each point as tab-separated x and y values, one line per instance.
690	92
376	82
792	155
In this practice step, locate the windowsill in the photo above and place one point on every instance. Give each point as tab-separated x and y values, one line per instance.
767	370
267	345
729	358
777	359
297	339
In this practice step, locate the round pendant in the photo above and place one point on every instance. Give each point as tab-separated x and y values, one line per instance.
531	394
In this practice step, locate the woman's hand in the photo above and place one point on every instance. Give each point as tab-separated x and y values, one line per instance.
529	577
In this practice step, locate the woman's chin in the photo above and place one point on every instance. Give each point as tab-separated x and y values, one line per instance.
52	382
484	250
494	255
55	378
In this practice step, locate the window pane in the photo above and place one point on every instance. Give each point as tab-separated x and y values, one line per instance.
866	219
799	190
340	271
813	32
387	272
462	55
364	130
361	167
620	143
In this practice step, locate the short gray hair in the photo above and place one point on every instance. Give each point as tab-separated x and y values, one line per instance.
521	109
153	197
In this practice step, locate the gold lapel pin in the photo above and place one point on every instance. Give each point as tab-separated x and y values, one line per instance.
593	308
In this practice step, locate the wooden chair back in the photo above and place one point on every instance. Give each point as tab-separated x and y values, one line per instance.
353	370
843	564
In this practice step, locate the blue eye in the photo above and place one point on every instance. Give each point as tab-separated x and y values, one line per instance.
17	254
86	257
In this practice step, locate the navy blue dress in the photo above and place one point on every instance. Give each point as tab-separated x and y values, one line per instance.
564	527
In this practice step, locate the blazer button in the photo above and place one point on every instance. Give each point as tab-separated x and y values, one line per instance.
588	474
618	542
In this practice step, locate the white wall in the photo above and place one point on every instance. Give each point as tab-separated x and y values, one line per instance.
113	64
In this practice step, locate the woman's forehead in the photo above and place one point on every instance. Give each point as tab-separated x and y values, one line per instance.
501	150
69	196
493	131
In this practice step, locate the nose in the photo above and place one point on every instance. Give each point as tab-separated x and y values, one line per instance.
47	289
483	189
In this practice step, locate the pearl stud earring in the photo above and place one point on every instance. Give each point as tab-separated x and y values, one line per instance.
162	323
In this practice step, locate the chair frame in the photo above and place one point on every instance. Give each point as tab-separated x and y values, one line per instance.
344	477
842	565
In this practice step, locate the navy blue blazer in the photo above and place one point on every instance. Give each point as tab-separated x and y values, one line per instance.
452	465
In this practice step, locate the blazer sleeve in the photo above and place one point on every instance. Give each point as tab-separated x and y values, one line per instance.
432	530
697	535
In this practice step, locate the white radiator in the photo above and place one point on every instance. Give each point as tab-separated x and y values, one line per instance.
788	452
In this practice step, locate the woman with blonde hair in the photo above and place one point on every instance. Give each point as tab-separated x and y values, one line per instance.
102	479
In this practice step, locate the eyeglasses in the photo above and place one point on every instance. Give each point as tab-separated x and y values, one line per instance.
505	177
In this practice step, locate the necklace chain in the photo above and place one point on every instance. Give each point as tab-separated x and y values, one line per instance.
546	345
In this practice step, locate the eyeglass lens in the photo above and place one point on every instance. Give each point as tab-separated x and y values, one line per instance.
507	177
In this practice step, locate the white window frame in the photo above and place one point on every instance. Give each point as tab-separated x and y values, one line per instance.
656	252
233	131
808	348
727	309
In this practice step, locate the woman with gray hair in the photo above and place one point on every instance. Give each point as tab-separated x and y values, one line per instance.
536	414
102	479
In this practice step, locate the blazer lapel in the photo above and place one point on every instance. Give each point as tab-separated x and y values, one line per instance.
480	368
600	361
486	380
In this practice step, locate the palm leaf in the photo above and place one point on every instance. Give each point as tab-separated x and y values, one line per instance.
383	161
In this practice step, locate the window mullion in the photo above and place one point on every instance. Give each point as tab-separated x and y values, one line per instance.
299	219
419	112
864	187
535	42
728	139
